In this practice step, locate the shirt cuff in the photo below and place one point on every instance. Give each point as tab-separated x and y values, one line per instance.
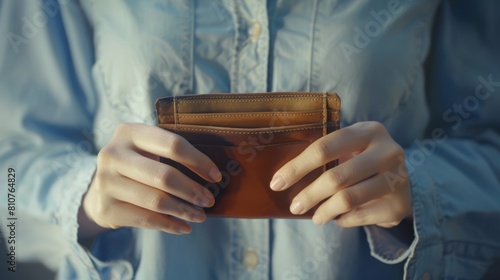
394	245
77	181
390	245
81	263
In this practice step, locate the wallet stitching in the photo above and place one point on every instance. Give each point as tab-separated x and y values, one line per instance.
324	114
251	115
247	132
202	115
233	98
177	117
325	111
236	96
176	109
247	100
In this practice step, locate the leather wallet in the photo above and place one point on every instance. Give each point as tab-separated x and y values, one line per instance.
249	136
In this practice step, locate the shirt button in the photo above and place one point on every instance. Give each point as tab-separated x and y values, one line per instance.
251	259
255	31
426	276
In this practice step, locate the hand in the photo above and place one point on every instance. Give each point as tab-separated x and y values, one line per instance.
132	188
358	191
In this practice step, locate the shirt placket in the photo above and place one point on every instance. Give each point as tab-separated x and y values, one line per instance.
250	248
250	60
249	257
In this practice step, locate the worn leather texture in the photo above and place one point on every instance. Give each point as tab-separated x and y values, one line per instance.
250	136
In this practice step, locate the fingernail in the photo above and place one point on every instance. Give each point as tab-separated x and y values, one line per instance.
215	174
296	208
317	219
198	216
208	199
184	229
277	183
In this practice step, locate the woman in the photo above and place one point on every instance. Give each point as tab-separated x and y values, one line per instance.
415	196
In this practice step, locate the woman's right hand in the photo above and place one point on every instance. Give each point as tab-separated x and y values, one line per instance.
131	188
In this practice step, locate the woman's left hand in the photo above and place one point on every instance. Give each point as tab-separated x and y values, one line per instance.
369	186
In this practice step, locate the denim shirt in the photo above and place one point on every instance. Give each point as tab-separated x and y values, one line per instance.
70	72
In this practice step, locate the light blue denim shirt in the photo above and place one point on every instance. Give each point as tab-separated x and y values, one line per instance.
70	73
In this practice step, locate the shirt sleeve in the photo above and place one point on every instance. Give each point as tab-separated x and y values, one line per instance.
46	112
455	172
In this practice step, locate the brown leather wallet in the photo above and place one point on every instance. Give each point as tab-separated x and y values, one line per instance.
249	137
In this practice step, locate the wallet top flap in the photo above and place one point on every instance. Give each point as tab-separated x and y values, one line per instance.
169	109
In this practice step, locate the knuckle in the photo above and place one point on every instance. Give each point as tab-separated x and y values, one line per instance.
393	153
123	129
175	143
322	150
163	176
101	210
197	195
399	211
156	201
361	216
368	129
393	216
182	209
187	213
394	220
347	199
375	127
105	156
291	169
146	221
306	198
288	170
337	177
98	184
365	129
395	223
399	152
